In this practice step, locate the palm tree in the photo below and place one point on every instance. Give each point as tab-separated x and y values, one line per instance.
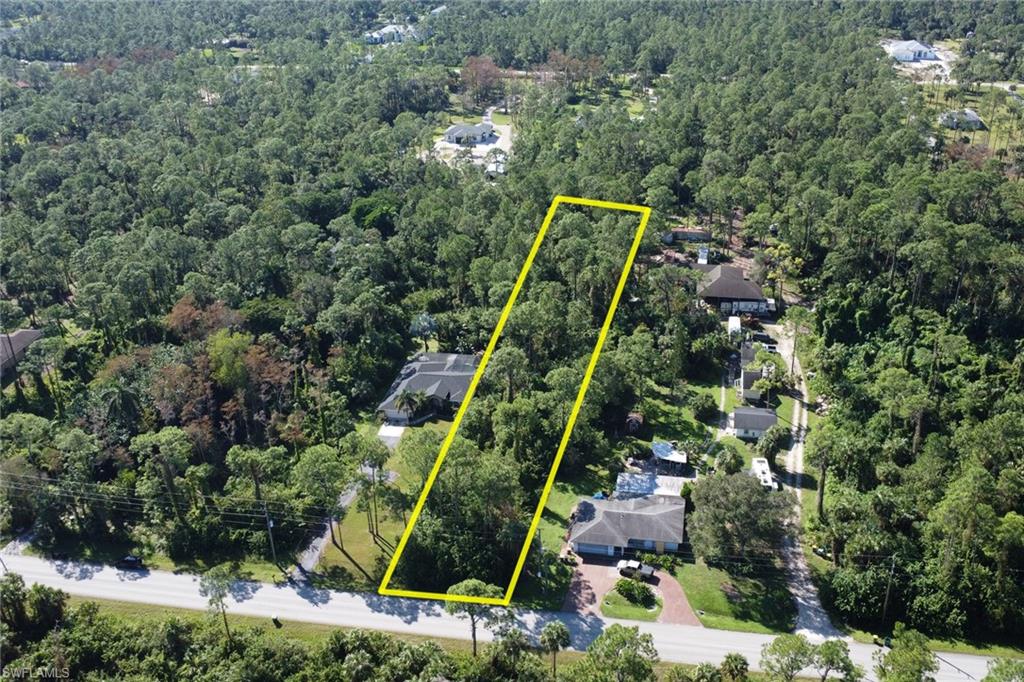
408	402
733	668
554	637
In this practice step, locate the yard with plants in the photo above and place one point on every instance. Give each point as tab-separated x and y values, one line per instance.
758	601
108	550
631	599
992	103
614	605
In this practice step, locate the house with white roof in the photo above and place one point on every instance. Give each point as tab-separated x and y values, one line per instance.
392	33
468	133
967	119
910	51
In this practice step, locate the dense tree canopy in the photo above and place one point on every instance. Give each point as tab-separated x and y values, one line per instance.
231	253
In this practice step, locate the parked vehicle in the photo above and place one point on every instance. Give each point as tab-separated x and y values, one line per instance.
130	563
633	568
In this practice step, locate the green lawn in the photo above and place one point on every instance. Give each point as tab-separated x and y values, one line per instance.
785	410
108	549
615	605
501	119
1000	650
746	449
995	114
440	425
316	633
547	590
356	565
667	415
756	603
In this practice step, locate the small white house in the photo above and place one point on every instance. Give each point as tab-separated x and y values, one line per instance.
751	422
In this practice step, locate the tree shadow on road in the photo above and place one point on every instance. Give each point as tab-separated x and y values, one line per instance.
243	590
408	610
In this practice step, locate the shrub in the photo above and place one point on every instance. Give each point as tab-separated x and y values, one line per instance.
635	592
704	408
729	460
665	562
771	441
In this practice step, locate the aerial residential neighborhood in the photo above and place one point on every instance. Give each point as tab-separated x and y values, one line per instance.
602	341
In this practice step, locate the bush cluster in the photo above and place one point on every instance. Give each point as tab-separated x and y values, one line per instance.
636	592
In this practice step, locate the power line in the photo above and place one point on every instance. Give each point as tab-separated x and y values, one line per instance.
138	504
283	507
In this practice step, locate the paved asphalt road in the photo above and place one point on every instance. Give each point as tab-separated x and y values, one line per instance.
300	602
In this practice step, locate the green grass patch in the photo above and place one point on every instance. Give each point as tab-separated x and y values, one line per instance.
785	410
988	100
744	448
667	415
996	649
501	119
108	549
545	589
442	426
357	564
759	602
614	605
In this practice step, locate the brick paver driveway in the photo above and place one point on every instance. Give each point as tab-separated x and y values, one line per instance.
595	576
676	608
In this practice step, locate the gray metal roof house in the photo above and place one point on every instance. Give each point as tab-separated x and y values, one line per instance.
443	378
14	345
611	527
967	119
751	422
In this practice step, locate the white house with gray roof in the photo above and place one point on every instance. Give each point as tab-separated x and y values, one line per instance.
468	133
613	527
751	422
441	378
966	119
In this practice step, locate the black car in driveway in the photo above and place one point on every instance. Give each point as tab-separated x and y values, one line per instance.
130	563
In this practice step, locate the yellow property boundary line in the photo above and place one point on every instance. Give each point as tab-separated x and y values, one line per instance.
645	214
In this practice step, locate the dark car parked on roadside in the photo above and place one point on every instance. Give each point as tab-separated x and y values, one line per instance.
130	563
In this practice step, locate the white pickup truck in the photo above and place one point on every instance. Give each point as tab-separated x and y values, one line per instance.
632	567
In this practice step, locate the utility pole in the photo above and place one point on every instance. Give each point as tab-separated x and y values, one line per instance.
888	589
270	532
